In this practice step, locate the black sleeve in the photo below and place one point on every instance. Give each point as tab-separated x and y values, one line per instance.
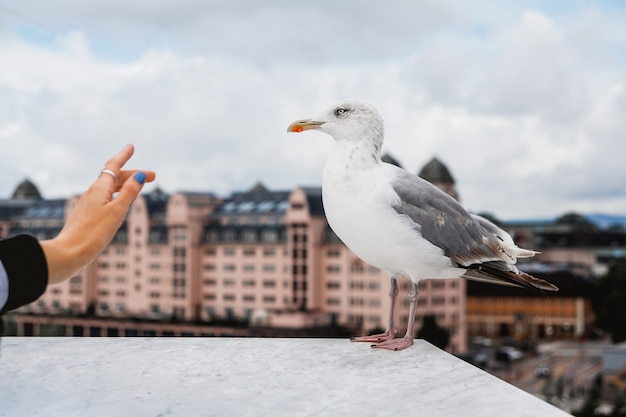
26	268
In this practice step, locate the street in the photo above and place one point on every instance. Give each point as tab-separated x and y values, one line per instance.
560	372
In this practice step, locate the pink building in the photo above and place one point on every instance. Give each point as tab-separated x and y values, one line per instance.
267	257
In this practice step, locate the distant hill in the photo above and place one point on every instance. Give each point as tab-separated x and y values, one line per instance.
604	221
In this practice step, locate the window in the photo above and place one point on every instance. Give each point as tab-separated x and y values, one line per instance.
438	301
269	268
269	299
249	252
269	236
269	284
356	285
249	235
229	235
333	269
269	252
437	284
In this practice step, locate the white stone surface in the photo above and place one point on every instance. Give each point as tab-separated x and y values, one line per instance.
246	377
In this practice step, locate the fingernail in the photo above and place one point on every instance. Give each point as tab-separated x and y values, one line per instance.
140	177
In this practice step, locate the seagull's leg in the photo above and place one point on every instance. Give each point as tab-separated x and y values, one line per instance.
390	333
407	340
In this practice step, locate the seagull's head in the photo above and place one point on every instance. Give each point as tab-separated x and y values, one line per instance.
347	120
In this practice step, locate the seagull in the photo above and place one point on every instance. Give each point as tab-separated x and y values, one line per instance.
401	223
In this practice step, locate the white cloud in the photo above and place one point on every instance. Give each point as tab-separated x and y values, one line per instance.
526	106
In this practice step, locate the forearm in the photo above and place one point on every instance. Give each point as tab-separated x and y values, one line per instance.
25	270
64	260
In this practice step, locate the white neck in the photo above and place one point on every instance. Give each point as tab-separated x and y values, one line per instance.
348	158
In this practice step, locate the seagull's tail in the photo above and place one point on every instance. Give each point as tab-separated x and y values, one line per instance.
492	273
518	252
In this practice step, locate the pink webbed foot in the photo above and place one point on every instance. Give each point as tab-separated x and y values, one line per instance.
394	344
375	338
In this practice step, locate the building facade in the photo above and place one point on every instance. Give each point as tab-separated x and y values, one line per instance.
259	260
267	258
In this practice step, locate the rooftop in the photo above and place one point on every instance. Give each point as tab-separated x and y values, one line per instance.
435	171
248	377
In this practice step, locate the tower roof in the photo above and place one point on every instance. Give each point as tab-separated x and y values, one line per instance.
435	171
26	190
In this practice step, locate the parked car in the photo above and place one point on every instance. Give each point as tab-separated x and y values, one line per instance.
508	354
543	372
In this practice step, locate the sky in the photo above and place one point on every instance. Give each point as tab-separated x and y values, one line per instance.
525	102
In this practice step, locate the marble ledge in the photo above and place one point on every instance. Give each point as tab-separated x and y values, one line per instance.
246	377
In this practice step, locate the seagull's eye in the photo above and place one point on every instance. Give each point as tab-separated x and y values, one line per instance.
341	111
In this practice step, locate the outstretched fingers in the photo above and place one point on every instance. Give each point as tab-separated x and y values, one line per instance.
110	175
130	189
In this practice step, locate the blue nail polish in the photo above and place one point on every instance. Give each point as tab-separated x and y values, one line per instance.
140	177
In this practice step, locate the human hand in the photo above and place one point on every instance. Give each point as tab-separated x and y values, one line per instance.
95	219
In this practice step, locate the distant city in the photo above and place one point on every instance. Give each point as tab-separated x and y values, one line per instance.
265	263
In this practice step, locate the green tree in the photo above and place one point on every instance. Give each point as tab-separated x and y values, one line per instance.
592	401
433	333
609	301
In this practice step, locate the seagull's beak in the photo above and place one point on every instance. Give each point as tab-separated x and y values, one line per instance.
305	124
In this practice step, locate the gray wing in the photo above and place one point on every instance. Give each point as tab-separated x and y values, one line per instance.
444	222
468	240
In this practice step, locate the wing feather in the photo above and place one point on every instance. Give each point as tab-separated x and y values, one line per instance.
470	241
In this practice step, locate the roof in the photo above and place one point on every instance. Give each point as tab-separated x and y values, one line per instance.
26	190
257	201
435	171
314	200
156	202
48	209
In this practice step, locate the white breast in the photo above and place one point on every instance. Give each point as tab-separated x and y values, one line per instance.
358	206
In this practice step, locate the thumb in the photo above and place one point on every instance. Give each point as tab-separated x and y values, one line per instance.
131	189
